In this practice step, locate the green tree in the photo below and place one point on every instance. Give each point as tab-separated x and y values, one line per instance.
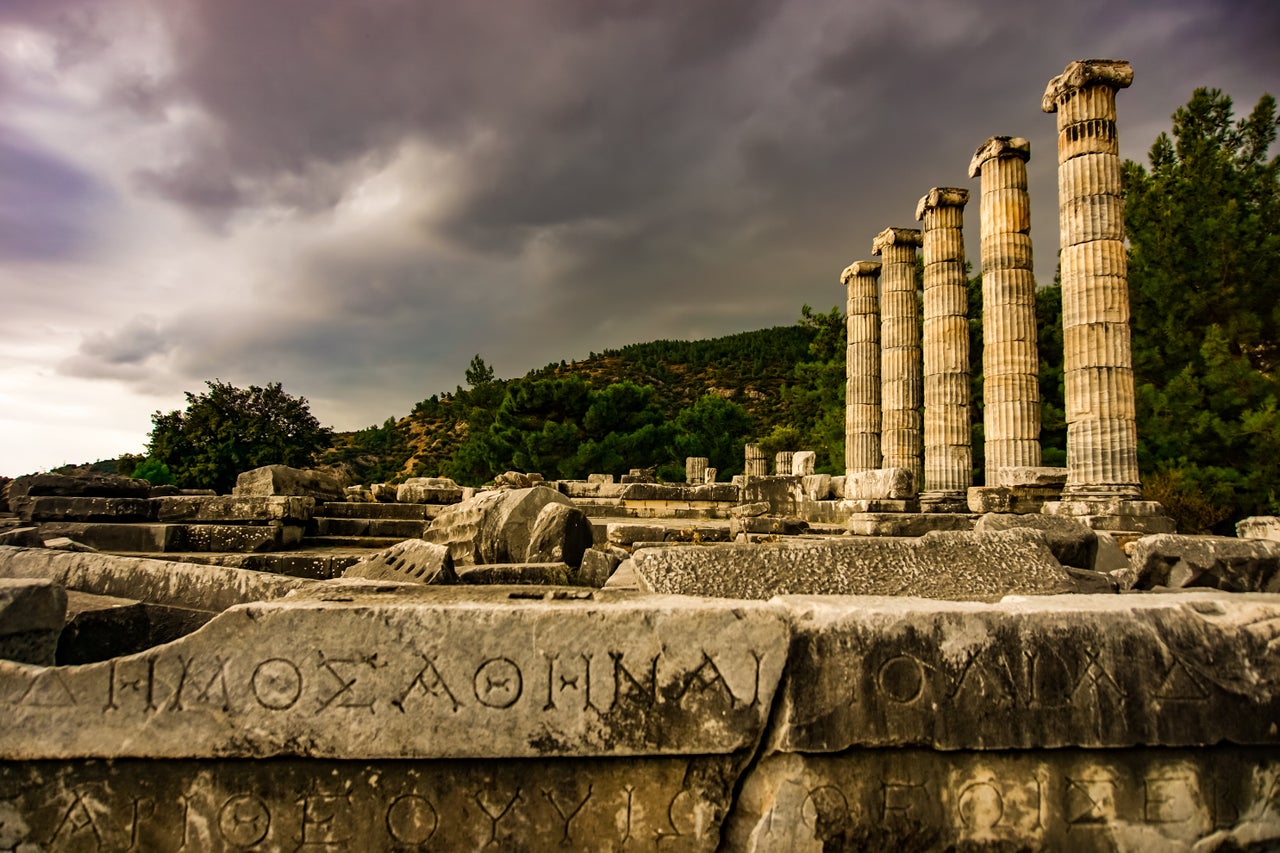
154	472
227	430
716	428
1204	267
478	373
813	402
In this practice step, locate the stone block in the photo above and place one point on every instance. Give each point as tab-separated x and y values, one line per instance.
600	479
592	488
32	612
1218	562
274	536
420	672
22	537
59	485
1072	543
494	526
272	480
958	566
58	508
816	487
1010	499
626	533
907	523
783	494
411	561
1096	671
231	509
1259	527
384	492
599	564
680	492
767	525
561	533
751	510
1031	476
863	506
1069	799
64	543
537	574
99	627
292	803
880	484
173	584
428	490
802	462
107	536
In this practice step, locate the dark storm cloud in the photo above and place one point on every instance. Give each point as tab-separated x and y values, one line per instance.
48	207
120	353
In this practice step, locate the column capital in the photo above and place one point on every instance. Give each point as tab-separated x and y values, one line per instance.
897	236
1083	73
858	268
999	146
942	197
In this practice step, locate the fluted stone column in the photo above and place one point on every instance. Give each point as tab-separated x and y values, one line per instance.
1102	434
782	463
695	469
862	368
1010	360
755	463
948	444
901	391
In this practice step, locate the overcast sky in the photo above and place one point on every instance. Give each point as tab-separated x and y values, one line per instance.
355	197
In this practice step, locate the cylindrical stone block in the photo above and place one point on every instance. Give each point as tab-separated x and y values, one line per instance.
863	380
948	457
902	392
695	469
782	463
756	465
1102	458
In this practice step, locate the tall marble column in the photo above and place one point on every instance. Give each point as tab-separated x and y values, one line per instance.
862	367
901	392
1102	434
948	445
1010	360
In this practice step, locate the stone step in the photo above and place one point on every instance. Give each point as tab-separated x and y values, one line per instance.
311	563
370	542
402	528
364	509
153	538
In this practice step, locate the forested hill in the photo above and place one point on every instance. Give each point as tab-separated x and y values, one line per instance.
607	413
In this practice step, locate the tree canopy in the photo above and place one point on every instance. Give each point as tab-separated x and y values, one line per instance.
227	430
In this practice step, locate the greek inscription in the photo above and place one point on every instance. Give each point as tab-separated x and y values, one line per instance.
115	681
1179	685
498	683
1096	677
899	798
1090	801
345	683
660	835
558	682
705	677
630	792
47	690
430	682
1169	799
825	810
412	819
76	820
633	689
981	806
494	818
551	798
901	679
137	817
320	820
994	686
276	684
244	820
185	678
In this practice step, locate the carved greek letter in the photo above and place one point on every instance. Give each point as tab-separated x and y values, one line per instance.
1165	797
276	684
981	805
136	685
493	825
76	819
202	694
896	797
412	819
47	690
317	822
345	684
244	820
706	676
646	695
1090	801
558	682
902	679
498	683
428	681
566	839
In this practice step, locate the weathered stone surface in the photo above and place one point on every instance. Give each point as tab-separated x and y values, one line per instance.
492	527
598	565
428	490
767	525
196	587
1043	672
57	508
411	561
592	488
1010	499
384	492
1078	800
1072	543
561	533
22	537
1114	514
680	492
880	484
32	612
234	509
23	489
907	523
108	536
939	565
287	804
272	536
626	534
1259	527
540	574
282	480
516	480
881	505
63	543
1031	475
99	627
750	510
419	672
1219	562
815	487
802	462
